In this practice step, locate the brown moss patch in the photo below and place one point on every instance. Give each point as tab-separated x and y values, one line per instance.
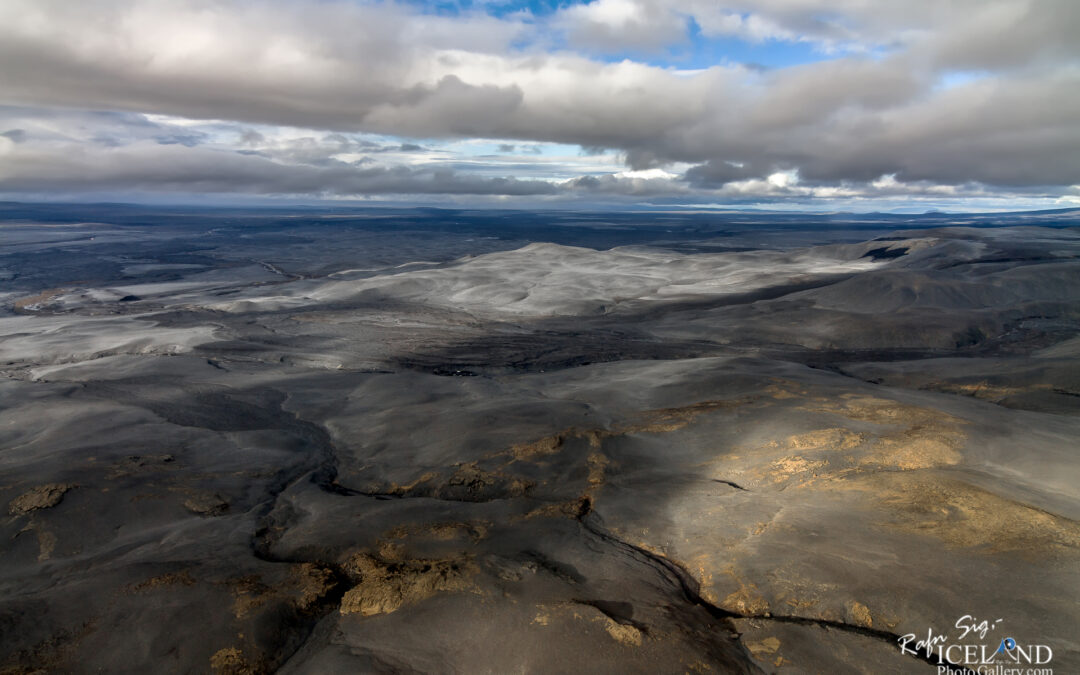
568	509
469	481
55	654
785	468
859	614
391	547
141	464
426	477
182	578
920	447
814	454
661	420
306	585
382	587
445	531
249	593
40	497
925	438
206	504
548	445
747	600
665	420
931	437
231	661
966	516
622	633
884	411
763	647
597	463
46	545
985	391
826	439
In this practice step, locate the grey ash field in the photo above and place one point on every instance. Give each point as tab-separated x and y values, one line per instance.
396	441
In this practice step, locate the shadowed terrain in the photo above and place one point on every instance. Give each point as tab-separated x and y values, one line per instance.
318	441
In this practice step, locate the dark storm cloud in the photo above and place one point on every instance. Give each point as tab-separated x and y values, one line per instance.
251	137
190	139
110	129
618	185
177	168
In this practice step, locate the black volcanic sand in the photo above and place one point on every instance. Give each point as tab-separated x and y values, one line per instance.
245	443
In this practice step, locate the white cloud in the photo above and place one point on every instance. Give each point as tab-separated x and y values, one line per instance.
621	24
647	174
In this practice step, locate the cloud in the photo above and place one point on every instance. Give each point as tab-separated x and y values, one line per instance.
15	135
158	168
147	168
251	137
873	105
618	25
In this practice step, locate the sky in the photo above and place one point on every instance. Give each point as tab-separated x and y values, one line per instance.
853	105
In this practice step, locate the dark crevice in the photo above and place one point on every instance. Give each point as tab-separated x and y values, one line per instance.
320	464
731	483
299	628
